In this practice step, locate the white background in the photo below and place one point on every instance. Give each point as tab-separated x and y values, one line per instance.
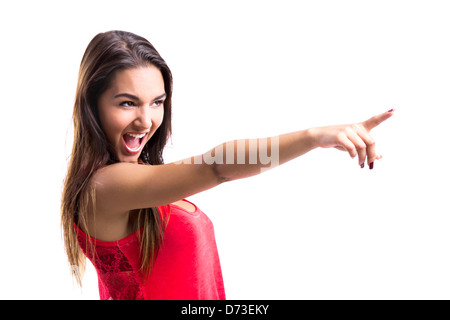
318	227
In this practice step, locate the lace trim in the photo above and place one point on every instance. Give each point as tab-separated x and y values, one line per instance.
117	279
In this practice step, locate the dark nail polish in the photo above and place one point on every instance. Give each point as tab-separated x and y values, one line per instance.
392	110
362	165
371	165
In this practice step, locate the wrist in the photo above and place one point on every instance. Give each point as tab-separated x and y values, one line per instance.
311	138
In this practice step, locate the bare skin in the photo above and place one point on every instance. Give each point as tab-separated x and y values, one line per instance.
133	105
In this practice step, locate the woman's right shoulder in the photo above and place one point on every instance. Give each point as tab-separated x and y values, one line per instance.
127	186
111	173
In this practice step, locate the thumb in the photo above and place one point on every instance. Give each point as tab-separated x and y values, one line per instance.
376	120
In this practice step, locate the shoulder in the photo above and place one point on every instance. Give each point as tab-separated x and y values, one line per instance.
125	186
115	174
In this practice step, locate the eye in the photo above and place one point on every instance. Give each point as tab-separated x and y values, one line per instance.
158	103
127	104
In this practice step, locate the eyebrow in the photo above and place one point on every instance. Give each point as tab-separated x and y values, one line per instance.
133	97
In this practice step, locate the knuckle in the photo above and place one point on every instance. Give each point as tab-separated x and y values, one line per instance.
360	146
341	136
349	130
370	143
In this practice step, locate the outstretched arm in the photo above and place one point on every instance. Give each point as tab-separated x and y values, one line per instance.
123	186
263	154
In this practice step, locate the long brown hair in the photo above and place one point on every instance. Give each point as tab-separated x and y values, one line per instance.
106	54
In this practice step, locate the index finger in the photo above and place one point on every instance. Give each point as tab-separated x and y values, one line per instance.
376	120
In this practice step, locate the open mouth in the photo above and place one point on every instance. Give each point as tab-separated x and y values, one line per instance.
134	142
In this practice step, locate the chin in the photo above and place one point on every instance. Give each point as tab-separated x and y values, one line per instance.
124	156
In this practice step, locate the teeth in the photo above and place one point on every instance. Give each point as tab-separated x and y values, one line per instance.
136	135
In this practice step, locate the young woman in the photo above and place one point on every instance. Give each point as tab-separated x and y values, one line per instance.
125	209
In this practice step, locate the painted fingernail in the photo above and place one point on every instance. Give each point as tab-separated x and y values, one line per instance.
371	165
362	165
392	110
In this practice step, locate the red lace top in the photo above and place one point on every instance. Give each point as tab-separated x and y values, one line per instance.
187	266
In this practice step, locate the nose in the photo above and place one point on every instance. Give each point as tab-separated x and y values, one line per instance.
143	119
